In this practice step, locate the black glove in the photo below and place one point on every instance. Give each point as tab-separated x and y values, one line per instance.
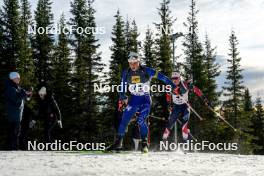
208	103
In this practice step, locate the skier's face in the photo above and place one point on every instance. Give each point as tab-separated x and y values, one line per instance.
134	66
42	96
176	81
16	80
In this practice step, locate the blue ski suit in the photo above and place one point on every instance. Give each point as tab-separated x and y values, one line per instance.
138	84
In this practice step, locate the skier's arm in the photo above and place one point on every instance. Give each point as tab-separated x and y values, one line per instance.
14	96
169	101
155	74
200	94
56	108
168	98
122	93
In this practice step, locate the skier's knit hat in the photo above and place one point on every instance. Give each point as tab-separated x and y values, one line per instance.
133	57
175	75
43	91
14	75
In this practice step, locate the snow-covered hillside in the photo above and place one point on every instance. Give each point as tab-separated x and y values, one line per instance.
154	163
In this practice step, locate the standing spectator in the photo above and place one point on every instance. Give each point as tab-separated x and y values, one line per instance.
27	123
15	97
49	110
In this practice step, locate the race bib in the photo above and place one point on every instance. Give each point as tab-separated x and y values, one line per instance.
139	88
135	79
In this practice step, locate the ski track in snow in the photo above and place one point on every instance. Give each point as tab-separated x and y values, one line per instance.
154	163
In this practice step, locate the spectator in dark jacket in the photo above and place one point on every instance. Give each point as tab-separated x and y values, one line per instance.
49	110
15	97
27	123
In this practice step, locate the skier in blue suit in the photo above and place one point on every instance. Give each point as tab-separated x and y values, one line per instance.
137	80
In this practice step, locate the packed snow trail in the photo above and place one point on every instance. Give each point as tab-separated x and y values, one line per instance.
154	163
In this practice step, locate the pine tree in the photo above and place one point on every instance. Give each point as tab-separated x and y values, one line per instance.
118	62
246	137
258	127
95	67
10	18
131	37
212	71
127	35
194	67
248	105
233	91
79	20
210	90
62	63
3	73
149	49
193	49
43	43
63	76
164	62
3	60
234	87
134	37
164	53
25	64
87	67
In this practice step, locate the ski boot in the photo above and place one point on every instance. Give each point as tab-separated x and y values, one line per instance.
166	134
116	146
144	146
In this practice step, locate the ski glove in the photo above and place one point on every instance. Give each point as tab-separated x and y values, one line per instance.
59	123
32	124
207	102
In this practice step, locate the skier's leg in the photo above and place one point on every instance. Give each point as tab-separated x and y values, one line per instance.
127	115
129	112
173	117
50	130
172	120
143	123
185	119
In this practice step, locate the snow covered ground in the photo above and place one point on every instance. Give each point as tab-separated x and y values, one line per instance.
154	163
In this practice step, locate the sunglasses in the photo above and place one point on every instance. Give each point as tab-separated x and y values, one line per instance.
176	78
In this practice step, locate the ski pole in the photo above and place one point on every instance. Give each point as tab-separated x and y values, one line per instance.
193	110
222	118
155	117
